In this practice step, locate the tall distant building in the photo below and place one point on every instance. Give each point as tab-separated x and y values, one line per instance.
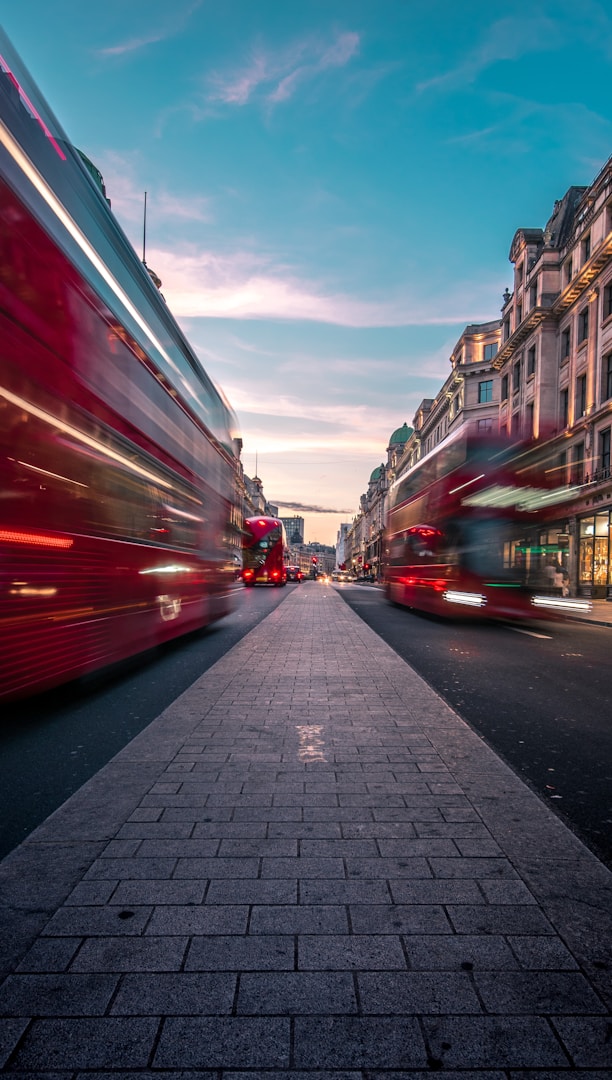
294	527
340	543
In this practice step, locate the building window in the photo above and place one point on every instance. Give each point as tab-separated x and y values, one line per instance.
583	325
516	375
564	407
504	387
565	343
604	452
533	295
485	391
506	329
586	248
529	420
607	368
519	314
519	275
607	301
531	360
581	391
485	426
568	271
490	351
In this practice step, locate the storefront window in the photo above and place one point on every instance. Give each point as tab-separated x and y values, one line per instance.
601	554
594	551
585	564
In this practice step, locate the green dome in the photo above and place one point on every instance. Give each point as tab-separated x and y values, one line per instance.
376	475
402	435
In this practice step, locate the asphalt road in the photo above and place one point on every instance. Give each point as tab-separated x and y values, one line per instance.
539	695
50	745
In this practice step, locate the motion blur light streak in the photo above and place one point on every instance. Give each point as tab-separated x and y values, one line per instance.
11	536
526	498
52	475
469	599
37	181
80	436
173	568
467	484
26	590
183	514
562	603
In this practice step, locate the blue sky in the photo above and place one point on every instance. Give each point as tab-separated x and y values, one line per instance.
332	190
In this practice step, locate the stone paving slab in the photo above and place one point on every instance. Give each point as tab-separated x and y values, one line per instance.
308	867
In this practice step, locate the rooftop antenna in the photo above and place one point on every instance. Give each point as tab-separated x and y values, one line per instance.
154	278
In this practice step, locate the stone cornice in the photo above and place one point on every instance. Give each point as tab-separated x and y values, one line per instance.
579	284
531	321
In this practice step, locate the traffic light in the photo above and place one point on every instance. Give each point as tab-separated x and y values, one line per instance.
314	560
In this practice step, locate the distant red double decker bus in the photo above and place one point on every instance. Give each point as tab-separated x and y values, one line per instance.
264	552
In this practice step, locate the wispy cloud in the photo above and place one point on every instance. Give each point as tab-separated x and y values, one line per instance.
334	419
303	431
583	133
170	28
302	508
274	77
205	284
506	39
126	193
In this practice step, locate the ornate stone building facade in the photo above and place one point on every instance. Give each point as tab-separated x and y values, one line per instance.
542	370
365	537
555	363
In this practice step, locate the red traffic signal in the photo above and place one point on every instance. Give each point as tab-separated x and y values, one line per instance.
314	559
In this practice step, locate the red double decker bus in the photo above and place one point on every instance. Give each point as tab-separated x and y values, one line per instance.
117	461
463	532
264	552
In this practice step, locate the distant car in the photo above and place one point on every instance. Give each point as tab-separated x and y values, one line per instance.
294	573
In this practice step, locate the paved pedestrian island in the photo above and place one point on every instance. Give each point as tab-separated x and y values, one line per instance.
308	867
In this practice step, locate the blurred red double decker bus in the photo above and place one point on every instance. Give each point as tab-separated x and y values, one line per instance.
463	532
264	552
117	464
